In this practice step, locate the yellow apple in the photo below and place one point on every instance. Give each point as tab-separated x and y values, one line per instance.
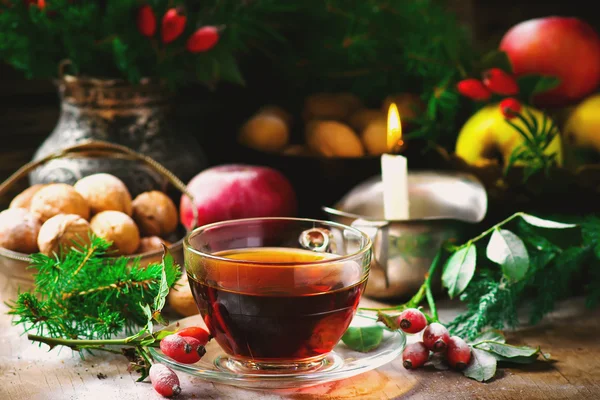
582	128
486	136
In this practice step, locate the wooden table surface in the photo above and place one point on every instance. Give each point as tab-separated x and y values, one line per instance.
570	335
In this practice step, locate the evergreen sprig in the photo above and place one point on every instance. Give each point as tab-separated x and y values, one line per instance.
101	38
549	265
533	152
84	294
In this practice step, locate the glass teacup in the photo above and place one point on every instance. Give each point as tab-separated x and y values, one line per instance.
277	294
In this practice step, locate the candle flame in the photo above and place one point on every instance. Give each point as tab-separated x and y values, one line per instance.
394	129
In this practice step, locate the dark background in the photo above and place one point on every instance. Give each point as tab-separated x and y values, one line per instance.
29	108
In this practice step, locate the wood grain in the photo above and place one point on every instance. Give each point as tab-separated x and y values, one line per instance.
569	335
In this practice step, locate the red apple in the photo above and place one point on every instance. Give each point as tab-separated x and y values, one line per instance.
567	48
238	191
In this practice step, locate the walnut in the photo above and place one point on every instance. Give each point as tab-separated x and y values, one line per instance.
265	132
118	228
151	244
333	139
19	230
63	232
23	199
374	137
278	111
58	198
155	213
104	192
180	298
362	118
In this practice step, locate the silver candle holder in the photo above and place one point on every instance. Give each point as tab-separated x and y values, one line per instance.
442	205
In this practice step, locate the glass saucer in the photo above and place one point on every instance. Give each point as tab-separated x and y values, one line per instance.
341	363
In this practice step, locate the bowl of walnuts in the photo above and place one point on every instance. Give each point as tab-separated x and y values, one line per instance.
55	217
329	143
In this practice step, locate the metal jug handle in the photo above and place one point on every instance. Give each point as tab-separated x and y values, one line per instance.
372	228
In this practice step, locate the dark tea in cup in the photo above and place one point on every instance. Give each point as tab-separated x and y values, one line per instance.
269	305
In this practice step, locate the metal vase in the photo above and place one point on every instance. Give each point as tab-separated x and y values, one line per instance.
136	116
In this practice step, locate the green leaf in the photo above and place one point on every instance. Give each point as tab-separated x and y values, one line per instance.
163	286
162	334
492	335
545	83
482	366
391	321
229	70
530	85
508	353
363	339
508	250
459	270
545	223
496	59
147	311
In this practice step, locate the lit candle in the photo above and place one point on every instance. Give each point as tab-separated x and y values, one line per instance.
394	171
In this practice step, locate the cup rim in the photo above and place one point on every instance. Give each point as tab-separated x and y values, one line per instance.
366	248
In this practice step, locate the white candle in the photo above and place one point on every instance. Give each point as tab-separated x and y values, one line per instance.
394	172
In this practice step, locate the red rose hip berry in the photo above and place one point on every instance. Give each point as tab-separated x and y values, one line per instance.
459	353
203	39
146	21
500	82
197	333
415	355
173	24
186	350
473	89
164	380
510	107
412	320
436	337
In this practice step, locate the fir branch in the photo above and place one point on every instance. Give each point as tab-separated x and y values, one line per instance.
536	138
84	294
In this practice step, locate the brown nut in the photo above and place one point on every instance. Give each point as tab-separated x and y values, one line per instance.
58	198
118	228
63	232
265	132
151	244
333	139
180	298
23	199
327	106
374	137
19	230
362	118
104	192
155	213
277	111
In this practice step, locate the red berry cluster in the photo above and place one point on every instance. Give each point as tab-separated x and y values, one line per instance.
435	339
172	27
494	81
185	346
